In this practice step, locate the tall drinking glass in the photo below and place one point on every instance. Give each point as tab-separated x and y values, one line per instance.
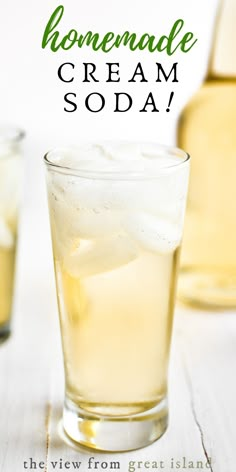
10	184
116	213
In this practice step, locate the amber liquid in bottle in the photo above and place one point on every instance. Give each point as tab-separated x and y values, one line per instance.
207	130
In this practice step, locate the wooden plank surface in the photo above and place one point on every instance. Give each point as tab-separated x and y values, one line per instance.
202	381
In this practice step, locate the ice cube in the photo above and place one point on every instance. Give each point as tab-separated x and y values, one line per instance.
93	208
96	223
152	233
6	237
123	151
77	191
83	223
104	255
80	157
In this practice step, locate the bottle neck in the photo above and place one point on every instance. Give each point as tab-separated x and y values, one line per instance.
223	55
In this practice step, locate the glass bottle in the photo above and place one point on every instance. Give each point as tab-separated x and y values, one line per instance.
207	130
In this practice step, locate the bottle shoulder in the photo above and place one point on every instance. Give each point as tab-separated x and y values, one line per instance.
218	95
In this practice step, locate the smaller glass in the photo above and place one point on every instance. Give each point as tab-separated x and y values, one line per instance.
117	214
10	185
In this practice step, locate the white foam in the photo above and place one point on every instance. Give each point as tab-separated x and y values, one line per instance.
135	199
104	194
104	255
122	151
78	156
149	195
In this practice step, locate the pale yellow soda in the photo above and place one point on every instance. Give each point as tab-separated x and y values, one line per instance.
116	330
7	266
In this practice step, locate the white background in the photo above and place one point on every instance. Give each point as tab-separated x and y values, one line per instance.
31	95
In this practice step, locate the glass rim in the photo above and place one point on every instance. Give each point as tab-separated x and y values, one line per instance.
10	134
114	174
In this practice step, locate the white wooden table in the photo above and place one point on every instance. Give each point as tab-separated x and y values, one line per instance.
202	380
